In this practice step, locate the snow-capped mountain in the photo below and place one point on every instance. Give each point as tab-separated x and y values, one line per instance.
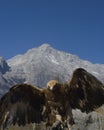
41	64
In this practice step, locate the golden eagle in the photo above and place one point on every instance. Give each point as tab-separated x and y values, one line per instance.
25	104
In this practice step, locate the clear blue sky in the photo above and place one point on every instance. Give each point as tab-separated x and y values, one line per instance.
73	26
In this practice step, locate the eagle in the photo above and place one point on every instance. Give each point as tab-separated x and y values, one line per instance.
27	104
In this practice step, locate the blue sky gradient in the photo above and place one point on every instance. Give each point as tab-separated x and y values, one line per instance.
73	26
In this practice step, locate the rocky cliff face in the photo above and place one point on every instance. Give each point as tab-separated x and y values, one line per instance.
91	121
3	66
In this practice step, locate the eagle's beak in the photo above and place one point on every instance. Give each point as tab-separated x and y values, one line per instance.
51	88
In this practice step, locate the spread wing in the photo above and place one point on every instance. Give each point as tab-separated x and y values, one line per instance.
86	92
21	105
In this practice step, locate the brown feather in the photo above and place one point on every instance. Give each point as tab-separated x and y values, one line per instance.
21	105
86	92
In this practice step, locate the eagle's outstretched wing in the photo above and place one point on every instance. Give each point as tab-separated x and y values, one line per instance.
22	105
86	92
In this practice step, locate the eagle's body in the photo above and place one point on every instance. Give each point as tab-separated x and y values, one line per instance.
25	104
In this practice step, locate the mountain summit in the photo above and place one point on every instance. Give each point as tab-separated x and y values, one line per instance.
41	64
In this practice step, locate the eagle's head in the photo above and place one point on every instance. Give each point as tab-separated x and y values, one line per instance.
53	85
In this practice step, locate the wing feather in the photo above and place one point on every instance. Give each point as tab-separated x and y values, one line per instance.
85	90
21	105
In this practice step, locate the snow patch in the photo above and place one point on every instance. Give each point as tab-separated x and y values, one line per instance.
95	73
53	59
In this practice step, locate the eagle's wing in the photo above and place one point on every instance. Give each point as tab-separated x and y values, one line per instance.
21	105
86	92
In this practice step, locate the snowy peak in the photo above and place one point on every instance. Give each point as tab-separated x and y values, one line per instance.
45	46
46	53
31	55
47	57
